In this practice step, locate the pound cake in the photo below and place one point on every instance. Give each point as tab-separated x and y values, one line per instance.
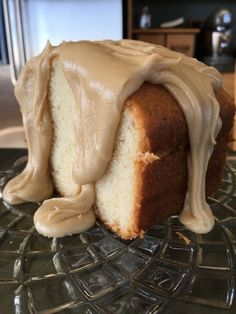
123	131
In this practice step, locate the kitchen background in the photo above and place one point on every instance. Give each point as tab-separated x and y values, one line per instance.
200	28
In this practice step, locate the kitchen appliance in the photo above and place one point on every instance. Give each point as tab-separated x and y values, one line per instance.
217	40
30	23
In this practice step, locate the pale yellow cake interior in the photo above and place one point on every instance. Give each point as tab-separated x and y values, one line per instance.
62	104
115	191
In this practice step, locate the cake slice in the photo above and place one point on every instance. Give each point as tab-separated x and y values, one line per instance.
146	180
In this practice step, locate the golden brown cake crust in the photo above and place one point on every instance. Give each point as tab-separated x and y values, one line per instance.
162	183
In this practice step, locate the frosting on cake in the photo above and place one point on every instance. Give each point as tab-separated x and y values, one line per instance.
102	75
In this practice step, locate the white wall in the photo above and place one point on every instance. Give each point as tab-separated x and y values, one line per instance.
59	20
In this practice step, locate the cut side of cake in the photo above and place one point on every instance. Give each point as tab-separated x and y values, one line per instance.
146	179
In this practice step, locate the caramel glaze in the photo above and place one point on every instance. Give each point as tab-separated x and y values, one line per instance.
102	75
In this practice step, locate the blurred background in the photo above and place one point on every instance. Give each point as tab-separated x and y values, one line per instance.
205	29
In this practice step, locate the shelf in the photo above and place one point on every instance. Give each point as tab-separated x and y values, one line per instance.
166	30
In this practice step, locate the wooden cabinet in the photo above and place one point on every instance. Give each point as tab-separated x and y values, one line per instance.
177	39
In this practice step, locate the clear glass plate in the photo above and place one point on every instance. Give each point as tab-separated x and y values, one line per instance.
97	272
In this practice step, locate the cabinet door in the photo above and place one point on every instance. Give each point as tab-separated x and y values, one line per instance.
183	43
158	39
229	83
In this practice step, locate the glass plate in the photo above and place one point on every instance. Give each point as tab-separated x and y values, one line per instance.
97	272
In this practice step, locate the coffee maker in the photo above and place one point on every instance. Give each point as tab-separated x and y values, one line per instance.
217	40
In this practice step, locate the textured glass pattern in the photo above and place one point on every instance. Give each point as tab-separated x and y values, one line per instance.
96	272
